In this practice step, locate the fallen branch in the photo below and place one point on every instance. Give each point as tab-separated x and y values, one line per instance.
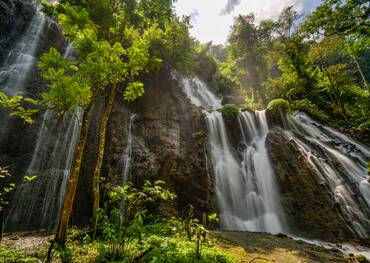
142	255
254	259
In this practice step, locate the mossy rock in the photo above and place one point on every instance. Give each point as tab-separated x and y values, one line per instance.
230	111
279	105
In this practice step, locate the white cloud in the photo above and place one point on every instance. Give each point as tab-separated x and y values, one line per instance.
210	25
230	6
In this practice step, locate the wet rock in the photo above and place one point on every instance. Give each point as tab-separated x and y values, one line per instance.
164	147
14	18
307	204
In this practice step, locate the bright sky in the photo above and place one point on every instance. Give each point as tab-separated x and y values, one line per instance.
209	25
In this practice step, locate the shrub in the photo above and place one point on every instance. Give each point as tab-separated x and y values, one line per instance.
310	108
365	126
123	227
279	105
251	105
230	111
13	255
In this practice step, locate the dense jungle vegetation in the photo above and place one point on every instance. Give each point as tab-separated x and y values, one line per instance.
318	64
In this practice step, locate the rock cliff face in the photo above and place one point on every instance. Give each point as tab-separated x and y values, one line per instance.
14	18
168	143
308	207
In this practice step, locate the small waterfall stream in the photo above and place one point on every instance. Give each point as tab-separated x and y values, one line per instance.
37	204
126	157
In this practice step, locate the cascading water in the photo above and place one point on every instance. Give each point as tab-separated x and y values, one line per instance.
126	157
37	204
246	191
262	211
14	70
342	165
198	92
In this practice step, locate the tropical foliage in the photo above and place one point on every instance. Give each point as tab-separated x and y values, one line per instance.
319	64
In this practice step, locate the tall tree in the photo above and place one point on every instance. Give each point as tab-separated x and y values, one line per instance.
246	49
115	42
340	17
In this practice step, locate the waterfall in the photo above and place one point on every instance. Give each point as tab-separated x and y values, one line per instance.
126	157
247	196
20	59
245	186
198	92
342	165
246	191
38	204
17	64
263	210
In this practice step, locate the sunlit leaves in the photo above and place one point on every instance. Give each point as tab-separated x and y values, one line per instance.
5	186
340	17
53	60
122	226
29	179
48	8
67	85
104	66
133	91
17	107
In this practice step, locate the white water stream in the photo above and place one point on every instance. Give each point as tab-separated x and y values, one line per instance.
126	157
246	191
20	60
342	165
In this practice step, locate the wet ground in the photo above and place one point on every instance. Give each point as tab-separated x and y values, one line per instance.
261	247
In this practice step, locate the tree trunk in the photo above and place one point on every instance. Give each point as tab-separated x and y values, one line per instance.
61	235
99	161
1	223
361	73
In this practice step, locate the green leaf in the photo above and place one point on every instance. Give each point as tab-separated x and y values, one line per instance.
30	178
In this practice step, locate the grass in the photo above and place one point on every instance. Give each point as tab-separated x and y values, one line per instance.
163	240
14	255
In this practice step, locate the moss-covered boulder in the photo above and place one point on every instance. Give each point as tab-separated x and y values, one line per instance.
279	105
230	111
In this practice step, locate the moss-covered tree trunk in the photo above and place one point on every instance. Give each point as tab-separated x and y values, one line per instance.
99	161
366	85
61	234
1	223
